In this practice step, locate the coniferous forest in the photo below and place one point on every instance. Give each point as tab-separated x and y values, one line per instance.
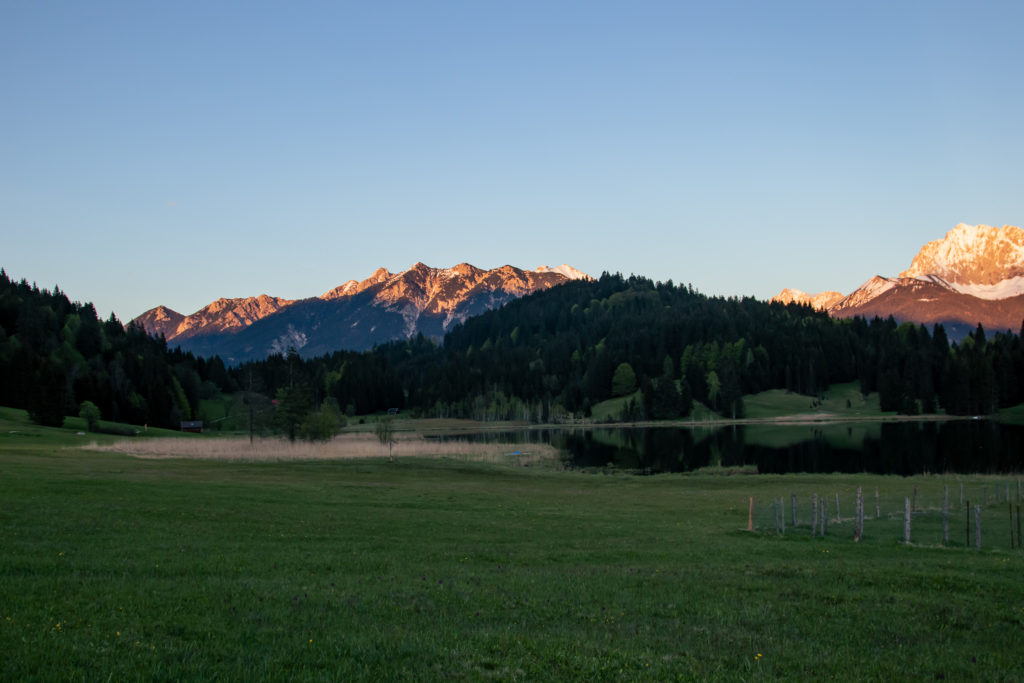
544	357
56	354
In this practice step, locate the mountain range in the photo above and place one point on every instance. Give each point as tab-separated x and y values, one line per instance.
355	315
975	274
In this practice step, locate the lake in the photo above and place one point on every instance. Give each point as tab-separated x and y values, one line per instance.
902	448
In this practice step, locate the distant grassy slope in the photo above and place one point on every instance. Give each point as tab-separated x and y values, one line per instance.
1014	415
15	427
216	411
701	412
838	394
841	400
773	403
776	403
612	408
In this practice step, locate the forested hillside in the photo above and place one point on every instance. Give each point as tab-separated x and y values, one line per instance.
56	354
543	357
561	351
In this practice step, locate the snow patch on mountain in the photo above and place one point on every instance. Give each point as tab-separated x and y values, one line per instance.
566	270
872	289
291	339
1003	289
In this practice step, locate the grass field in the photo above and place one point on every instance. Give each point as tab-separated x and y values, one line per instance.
841	400
115	567
1014	415
612	408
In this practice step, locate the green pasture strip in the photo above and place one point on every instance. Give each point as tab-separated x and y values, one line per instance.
1014	415
216	410
426	569
840	400
776	403
611	409
15	428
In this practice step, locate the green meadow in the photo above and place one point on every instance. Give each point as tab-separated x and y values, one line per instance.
841	401
121	568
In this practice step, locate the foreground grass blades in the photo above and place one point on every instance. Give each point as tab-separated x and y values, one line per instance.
121	568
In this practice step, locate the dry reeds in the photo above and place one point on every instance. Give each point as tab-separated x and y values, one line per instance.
343	447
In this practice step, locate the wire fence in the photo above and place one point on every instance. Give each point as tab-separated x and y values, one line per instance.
955	514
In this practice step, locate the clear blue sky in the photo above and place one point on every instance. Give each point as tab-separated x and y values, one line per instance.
175	152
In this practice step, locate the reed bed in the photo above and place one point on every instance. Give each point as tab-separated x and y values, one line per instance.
343	447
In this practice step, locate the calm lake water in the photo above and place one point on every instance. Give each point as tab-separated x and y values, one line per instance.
903	448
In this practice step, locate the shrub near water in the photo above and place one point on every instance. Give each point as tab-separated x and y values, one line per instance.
115	567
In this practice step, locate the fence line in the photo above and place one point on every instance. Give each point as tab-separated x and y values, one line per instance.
925	515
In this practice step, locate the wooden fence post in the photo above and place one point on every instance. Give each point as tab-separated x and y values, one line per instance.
823	508
1011	521
814	516
858	516
977	527
906	520
967	544
860	510
839	518
792	502
750	517
945	516
1019	546
878	505
782	514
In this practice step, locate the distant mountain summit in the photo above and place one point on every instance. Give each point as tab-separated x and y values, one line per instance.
979	260
975	274
355	315
821	302
223	315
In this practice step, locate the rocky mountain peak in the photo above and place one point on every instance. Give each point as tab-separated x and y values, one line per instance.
974	274
353	287
218	316
463	270
821	302
382	274
392	305
979	255
162	313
